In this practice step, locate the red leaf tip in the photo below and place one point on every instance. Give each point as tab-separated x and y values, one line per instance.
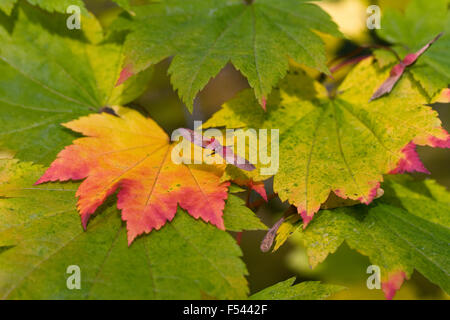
130	237
373	193
40	181
306	218
446	94
410	162
264	103
84	220
258	187
125	74
393	284
440	143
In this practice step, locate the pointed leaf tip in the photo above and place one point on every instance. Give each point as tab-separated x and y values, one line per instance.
393	284
84	220
306	218
264	103
446	94
259	188
373	194
130	238
410	162
125	74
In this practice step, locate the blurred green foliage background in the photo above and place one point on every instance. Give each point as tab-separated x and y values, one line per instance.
345	267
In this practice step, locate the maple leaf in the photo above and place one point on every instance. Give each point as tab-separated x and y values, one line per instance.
40	236
344	144
40	91
238	217
50	5
406	229
132	153
205	35
285	290
410	31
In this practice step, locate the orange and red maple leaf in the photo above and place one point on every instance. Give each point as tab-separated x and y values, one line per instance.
132	154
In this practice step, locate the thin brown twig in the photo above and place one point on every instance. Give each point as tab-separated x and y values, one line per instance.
361	48
348	62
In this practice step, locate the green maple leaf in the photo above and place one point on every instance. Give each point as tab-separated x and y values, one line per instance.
41	235
406	229
49	5
238	217
203	36
344	144
285	290
422	21
74	77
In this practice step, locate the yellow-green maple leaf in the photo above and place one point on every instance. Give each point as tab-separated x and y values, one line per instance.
344	144
406	229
